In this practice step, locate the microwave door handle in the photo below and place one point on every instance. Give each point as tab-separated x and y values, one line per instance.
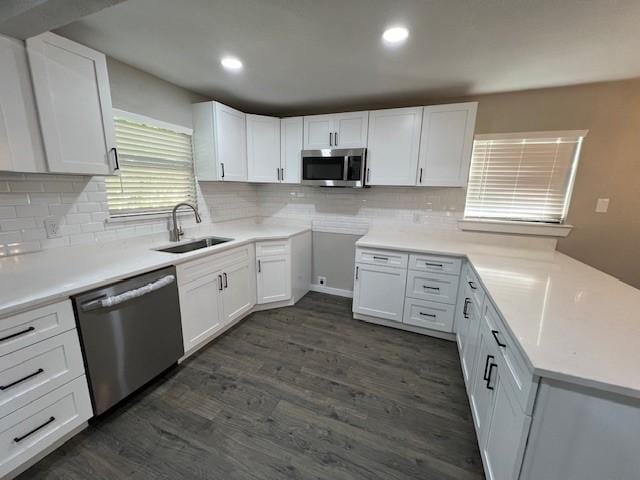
345	173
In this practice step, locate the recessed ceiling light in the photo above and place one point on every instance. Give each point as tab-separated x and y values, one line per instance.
231	63
395	35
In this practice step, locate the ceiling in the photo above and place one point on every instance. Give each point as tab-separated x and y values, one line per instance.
303	56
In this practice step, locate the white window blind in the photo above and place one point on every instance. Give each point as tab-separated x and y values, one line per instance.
156	167
523	176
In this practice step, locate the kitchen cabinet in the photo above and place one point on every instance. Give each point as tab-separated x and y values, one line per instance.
379	291
21	148
73	99
238	294
393	146
337	130
274	278
467	321
263	149
445	145
484	376
290	147
219	142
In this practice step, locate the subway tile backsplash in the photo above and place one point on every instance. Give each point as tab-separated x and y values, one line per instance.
79	203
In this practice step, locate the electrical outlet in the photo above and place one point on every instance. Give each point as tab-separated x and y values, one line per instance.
52	227
602	205
322	280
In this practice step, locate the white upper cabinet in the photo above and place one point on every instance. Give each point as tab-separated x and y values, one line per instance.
220	142
446	143
393	146
263	149
338	130
20	142
74	104
290	148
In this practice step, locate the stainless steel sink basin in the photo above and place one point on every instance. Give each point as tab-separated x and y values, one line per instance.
195	245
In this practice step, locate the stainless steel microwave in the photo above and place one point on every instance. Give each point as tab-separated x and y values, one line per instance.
338	167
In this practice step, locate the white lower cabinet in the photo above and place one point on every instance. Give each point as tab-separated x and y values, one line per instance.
274	278
425	314
200	309
238	292
379	291
467	323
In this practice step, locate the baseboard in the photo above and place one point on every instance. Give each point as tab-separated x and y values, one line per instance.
331	291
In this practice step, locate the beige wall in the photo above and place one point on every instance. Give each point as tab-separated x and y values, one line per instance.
609	164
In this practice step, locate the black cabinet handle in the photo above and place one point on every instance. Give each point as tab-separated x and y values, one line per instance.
282	174
486	366
367	175
386	259
259	267
427	314
115	159
19	439
226	284
420	175
222	166
335	138
472	285
12	384
495	336
331	139
17	334
489	386
429	264
220	282
437	289
465	313
357	269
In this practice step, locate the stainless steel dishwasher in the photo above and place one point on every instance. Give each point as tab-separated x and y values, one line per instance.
130	332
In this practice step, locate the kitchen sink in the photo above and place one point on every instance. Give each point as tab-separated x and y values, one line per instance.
195	245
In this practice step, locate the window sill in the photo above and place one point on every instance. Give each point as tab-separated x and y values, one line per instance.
519	228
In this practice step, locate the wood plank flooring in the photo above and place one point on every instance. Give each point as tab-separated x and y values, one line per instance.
303	392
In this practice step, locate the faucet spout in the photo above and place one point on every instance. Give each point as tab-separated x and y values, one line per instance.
176	232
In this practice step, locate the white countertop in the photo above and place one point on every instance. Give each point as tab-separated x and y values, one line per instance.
43	277
573	322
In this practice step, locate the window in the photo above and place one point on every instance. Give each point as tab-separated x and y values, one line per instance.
523	176
156	167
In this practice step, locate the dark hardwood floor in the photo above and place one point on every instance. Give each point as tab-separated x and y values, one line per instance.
303	392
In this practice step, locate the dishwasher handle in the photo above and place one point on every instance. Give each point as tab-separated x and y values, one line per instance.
128	295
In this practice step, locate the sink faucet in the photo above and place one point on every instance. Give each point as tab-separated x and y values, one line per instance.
176	232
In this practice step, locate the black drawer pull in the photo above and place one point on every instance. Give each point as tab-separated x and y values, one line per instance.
226	283
38	372
495	336
486	366
386	259
433	264
465	313
17	334
431	288
427	314
472	285
220	282
489	386
19	439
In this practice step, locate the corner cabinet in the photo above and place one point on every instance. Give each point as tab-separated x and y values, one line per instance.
73	97
291	132
337	130
263	149
220	142
21	149
445	145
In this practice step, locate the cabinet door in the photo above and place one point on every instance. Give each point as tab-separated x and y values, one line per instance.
74	103
239	291
350	129
20	142
503	445
201	309
483	381
316	132
231	143
470	324
379	291
446	143
274	278
263	148
290	148
393	146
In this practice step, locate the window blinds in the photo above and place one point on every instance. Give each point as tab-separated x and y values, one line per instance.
523	176
156	169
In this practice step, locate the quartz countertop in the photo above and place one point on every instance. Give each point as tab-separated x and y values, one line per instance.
44	277
572	322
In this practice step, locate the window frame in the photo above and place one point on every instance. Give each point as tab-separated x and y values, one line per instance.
154	122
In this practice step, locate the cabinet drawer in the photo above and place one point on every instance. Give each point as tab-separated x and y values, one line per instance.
29	430
24	329
33	371
190	271
511	361
425	314
272	247
436	287
436	264
387	258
